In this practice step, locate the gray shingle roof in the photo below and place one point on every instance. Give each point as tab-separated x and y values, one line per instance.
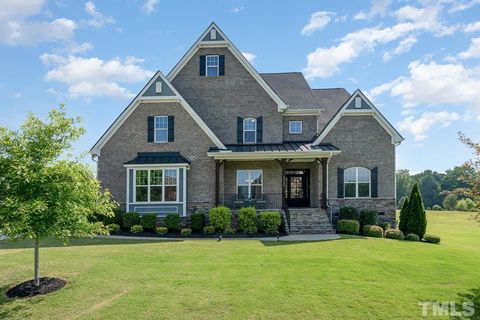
330	100
158	158
294	146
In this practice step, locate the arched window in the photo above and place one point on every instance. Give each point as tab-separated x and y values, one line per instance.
357	183
249	130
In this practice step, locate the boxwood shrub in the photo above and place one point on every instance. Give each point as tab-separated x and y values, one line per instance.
185	232
250	230
247	218
412	237
161	230
229	230
136	229
220	218
375	232
431	238
365	229
209	230
348	213
197	221
394	234
368	217
172	221
113	227
130	219
270	222
348	226
149	221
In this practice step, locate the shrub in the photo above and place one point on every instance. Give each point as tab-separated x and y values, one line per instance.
375	232
113	227
197	221
471	206
365	229
250	230
436	207
385	225
220	218
161	230
270	221
136	229
229	230
348	213
185	232
430	238
368	217
172	221
149	221
348	226
130	219
412	237
404	215
247	218
462	205
394	234
450	202
117	217
209	230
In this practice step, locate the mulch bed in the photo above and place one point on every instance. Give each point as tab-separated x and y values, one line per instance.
28	289
193	235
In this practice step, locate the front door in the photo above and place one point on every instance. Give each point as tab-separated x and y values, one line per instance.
298	187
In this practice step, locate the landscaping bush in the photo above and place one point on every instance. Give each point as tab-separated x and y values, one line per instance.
375	232
209	230
185	232
113	227
229	230
161	230
365	229
220	218
368	217
270	221
348	226
247	218
461	205
172	221
130	219
430	238
250	230
197	221
404	213
413	219
412	237
394	234
136	229
385	225
436	207
117	217
149	221
348	213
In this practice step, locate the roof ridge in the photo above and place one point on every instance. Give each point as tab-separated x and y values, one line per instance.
286	72
329	88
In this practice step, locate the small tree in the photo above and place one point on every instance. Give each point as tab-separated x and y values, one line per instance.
404	215
417	219
43	193
450	201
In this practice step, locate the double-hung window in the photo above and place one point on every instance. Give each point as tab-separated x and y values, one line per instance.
249	130
161	129
357	182
295	127
156	185
249	182
212	66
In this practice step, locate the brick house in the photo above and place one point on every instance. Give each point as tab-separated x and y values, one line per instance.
215	131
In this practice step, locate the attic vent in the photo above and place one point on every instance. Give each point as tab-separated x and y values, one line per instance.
158	87
358	102
213	34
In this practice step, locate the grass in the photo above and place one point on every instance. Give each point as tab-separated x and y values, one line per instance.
354	278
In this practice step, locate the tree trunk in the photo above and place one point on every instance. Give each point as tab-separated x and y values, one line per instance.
36	280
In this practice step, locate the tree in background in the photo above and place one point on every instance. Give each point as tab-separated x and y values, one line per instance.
404	215
472	165
450	202
429	185
404	184
43	193
453	178
414	219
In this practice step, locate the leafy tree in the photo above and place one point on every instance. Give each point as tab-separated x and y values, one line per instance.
453	178
470	204
404	215
473	166
450	201
462	205
430	188
44	193
417	219
404	184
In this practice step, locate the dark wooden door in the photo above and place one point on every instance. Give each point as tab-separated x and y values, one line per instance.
297	188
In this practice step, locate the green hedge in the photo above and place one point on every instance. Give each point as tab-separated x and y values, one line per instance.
270	222
220	218
348	213
209	230
229	230
348	226
394	234
412	237
172	221
161	230
197	221
431	238
149	221
247	218
185	232
130	219
136	229
375	232
113	227
368	217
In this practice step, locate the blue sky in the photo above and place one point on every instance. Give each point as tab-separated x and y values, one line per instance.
419	62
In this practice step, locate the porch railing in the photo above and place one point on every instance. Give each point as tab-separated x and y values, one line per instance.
259	201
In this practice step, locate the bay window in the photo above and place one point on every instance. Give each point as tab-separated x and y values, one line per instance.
156	185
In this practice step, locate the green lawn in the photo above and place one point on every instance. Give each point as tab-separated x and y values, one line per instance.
354	278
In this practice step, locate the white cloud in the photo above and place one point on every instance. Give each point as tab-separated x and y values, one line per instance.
238	9
249	56
462	5
318	21
89	77
149	6
99	20
418	127
74	47
18	28
379	7
472	27
403	46
473	51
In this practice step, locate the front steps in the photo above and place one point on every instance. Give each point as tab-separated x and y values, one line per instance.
309	221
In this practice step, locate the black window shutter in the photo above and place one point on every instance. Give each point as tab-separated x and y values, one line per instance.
374	182
239	130
221	65
259	129
340	182
151	129
202	65
171	128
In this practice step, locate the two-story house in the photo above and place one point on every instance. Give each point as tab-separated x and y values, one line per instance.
215	131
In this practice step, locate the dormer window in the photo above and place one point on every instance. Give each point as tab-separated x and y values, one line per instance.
212	66
249	130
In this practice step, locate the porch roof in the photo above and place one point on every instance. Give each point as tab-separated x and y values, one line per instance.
145	158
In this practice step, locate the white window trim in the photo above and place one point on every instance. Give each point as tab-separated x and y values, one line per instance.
159	129
249	184
149	185
218	65
290	126
356	184
250	130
